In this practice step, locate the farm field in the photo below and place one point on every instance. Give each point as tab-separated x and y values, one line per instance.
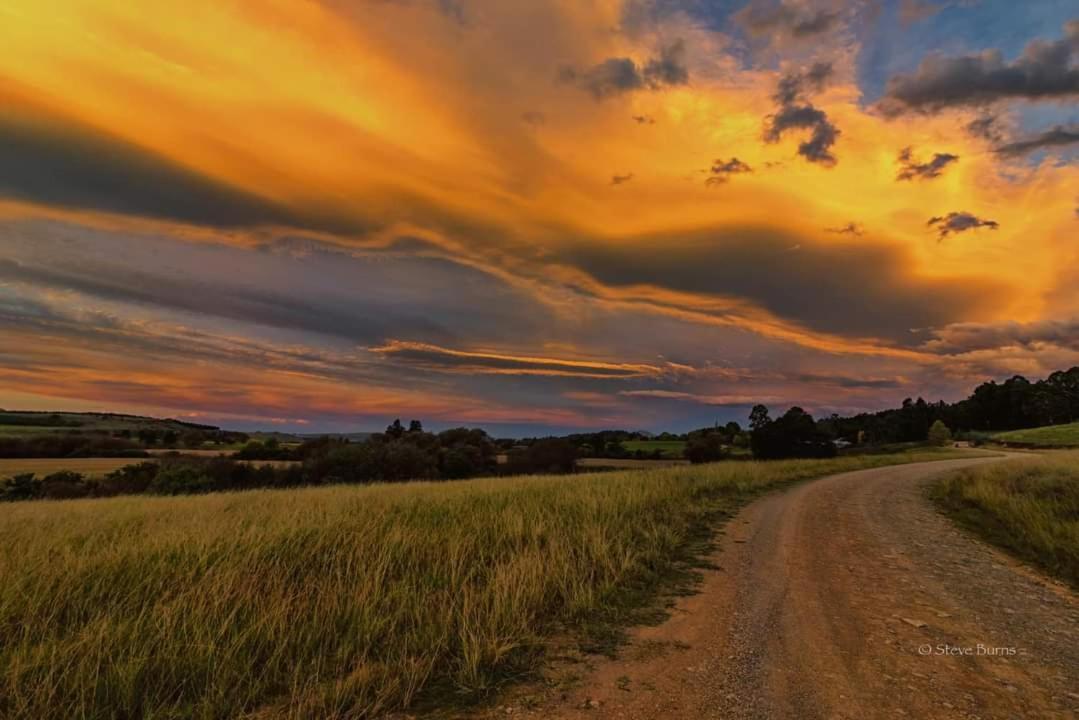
91	467
1049	436
629	463
1029	506
669	448
350	600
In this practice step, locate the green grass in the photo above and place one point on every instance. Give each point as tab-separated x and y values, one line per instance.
1048	436
669	448
344	601
1028	506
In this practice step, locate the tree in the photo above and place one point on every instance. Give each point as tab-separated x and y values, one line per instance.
793	435
704	446
758	417
395	429
939	434
415	426
550	455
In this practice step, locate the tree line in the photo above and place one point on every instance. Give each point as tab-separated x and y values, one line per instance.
1014	404
400	453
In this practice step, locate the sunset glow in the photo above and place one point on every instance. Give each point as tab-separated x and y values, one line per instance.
325	214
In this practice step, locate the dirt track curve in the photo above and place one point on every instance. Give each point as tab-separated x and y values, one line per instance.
847	597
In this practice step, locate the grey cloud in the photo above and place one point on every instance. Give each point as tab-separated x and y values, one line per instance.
796	113
912	11
851	228
1045	70
849	289
1059	136
795	85
433	357
969	337
957	222
910	169
766	18
722	170
75	167
615	76
986	127
304	286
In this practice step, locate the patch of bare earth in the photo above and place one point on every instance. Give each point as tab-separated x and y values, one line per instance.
846	597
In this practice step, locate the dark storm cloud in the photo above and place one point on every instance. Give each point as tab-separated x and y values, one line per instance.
796	113
1059	136
105	331
957	222
722	170
805	117
1045	70
615	76
910	169
856	290
769	18
75	167
244	304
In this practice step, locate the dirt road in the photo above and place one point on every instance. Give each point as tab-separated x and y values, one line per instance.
848	597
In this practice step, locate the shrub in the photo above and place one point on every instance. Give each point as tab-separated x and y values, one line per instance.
181	480
64	485
704	446
21	487
939	434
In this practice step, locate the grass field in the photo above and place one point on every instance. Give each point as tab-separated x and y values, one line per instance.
669	448
340	601
1050	435
91	467
1028	506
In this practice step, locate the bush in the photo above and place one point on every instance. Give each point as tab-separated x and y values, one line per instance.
939	434
64	485
181	480
704	446
21	487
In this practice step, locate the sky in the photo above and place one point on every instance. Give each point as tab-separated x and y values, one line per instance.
533	217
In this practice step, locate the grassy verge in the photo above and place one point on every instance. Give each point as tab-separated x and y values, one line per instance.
340	601
1048	436
1029	507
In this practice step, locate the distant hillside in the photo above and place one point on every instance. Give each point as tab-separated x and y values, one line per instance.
28	422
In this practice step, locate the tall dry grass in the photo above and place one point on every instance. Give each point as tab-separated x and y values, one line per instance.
333	602
1029	506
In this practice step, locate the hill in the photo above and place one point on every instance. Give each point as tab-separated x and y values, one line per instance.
28	422
1056	436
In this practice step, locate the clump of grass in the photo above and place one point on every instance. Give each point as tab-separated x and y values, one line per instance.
339	601
1028	506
